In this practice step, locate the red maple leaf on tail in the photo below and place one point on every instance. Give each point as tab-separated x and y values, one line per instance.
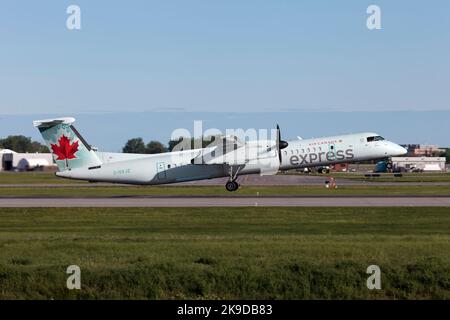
65	150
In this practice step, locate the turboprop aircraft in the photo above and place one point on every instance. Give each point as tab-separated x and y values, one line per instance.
228	156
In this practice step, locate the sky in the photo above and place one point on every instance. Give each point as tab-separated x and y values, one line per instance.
233	55
272	57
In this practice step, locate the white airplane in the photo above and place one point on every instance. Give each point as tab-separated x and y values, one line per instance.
76	159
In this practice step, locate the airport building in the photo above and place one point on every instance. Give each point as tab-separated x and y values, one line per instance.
13	161
418	150
419	164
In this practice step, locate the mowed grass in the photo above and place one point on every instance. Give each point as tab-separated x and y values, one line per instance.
225	253
389	177
33	178
51	178
123	191
71	188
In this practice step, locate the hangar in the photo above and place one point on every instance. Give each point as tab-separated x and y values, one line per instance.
13	161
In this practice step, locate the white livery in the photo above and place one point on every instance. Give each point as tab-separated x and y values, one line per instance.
226	157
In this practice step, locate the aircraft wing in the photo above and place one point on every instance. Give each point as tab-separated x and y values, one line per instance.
230	150
227	142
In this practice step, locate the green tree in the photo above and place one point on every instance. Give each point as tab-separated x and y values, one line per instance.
447	156
135	145
37	147
155	147
180	144
22	144
172	143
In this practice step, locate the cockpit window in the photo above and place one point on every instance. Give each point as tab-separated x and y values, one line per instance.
375	138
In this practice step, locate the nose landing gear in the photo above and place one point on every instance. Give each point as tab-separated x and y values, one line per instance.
389	164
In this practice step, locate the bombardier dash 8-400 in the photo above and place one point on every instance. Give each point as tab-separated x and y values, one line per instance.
232	157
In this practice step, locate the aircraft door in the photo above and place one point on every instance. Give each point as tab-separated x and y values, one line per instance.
161	170
332	151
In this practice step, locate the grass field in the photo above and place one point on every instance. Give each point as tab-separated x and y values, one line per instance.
406	177
72	188
33	178
50	178
116	191
248	253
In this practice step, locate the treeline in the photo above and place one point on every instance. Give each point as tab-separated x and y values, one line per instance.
22	144
446	154
137	145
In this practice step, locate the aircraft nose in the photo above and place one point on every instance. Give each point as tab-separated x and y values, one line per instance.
399	150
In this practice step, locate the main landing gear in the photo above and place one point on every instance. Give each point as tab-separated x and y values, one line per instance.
232	185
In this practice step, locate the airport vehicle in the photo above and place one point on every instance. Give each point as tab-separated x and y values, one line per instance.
226	157
383	166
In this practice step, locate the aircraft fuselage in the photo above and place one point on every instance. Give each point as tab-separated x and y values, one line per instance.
178	167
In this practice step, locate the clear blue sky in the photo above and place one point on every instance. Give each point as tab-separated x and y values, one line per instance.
223	55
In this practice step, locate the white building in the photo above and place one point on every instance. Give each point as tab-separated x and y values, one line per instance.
11	160
419	163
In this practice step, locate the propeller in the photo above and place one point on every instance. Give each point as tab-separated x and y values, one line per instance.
281	144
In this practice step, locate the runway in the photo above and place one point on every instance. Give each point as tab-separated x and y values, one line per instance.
228	201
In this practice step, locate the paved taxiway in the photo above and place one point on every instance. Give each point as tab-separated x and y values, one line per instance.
227	201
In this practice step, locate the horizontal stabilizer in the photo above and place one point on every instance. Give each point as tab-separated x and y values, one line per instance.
52	122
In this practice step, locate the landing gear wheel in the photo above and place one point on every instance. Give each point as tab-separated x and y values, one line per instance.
232	186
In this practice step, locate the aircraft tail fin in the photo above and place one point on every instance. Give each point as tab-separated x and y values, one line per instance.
67	146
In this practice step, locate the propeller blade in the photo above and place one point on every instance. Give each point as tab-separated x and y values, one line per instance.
278	143
281	144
